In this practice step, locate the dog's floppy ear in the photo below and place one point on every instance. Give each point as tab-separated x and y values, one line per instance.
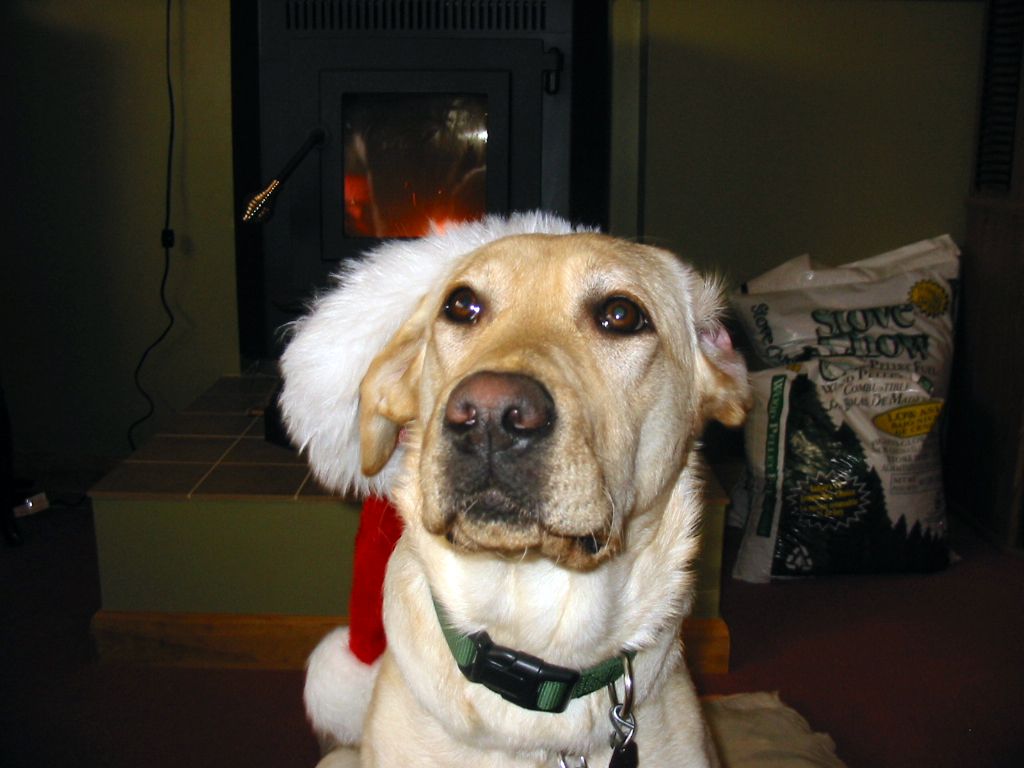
727	398
389	393
333	349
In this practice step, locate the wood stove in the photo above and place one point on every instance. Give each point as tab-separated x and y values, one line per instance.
362	120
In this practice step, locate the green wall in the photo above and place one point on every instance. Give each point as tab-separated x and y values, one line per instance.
85	129
840	128
223	556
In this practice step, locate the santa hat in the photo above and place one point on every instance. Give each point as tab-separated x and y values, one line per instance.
342	669
329	354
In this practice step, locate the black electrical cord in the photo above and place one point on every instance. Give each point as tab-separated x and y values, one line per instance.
166	236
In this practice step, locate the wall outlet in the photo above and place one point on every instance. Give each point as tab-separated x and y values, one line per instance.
32	504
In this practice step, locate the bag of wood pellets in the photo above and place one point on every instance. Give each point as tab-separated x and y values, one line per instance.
850	373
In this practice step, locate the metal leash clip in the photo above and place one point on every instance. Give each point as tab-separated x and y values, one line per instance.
624	749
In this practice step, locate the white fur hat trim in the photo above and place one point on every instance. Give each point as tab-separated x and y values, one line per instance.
338	689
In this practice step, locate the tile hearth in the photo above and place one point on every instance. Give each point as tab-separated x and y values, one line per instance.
217	546
215	449
209	517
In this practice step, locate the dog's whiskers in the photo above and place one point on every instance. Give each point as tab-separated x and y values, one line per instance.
611	501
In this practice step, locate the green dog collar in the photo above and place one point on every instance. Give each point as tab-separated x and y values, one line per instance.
520	678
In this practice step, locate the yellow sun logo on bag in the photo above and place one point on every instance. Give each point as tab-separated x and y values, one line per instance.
929	297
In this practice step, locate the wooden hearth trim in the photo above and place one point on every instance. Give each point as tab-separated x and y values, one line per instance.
271	641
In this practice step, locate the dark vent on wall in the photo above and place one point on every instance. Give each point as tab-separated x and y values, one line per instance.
1000	95
416	15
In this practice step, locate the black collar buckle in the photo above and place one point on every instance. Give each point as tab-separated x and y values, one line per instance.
518	677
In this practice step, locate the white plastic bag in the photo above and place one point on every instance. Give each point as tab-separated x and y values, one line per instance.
843	463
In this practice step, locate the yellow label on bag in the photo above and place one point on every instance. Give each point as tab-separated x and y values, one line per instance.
910	420
929	297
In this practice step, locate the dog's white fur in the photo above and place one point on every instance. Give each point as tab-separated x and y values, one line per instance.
376	355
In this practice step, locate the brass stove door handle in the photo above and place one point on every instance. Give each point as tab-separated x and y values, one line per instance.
261	206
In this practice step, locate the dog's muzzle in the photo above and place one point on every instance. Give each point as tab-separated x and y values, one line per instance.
497	426
499	431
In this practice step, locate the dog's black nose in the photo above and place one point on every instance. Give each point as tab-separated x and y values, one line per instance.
490	412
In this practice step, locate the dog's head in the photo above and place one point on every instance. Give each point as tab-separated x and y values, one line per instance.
552	387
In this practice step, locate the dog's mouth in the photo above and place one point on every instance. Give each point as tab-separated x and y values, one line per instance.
492	522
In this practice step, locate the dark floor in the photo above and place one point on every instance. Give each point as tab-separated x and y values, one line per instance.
57	708
903	671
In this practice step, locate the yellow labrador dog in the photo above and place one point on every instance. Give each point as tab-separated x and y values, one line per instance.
531	397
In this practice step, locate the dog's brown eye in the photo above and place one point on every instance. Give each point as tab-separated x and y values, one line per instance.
620	314
462	306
